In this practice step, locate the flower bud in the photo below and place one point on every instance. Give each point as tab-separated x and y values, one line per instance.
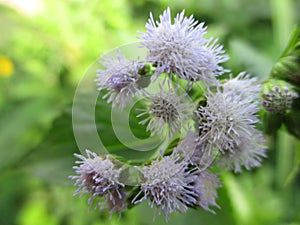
278	96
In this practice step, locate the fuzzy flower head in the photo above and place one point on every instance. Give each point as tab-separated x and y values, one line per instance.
180	48
120	78
167	185
225	121
166	111
193	153
187	146
248	154
243	85
99	177
205	187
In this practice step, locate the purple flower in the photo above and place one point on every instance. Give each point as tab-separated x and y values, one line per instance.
100	177
166	110
120	78
248	153
181	48
227	125
244	86
167	184
205	187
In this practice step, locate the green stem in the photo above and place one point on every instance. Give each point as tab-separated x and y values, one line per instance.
284	157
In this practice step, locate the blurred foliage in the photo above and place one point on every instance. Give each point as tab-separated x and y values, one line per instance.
44	55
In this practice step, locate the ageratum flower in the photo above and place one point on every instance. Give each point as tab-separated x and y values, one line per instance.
99	176
168	185
227	124
181	48
205	187
248	154
244	86
165	110
225	121
120	78
187	147
193	153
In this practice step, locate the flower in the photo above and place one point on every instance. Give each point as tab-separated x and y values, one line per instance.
167	184
243	85
226	119
116	201
120	77
100	177
165	110
205	187
182	49
187	146
248	154
194	154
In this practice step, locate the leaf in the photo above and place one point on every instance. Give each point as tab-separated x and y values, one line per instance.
294	38
20	129
251	58
89	128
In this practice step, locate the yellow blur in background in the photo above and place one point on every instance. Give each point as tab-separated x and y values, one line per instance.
6	67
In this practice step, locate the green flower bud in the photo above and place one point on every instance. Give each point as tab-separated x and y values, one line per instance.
278	96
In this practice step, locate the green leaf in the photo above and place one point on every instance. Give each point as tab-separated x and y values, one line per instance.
21	125
250	58
53	159
294	38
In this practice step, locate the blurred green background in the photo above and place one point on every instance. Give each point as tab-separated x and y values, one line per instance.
45	48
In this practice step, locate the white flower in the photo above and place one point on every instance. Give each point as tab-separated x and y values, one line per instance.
100	177
205	187
225	121
244	86
194	153
166	111
120	78
167	184
187	146
248	154
181	48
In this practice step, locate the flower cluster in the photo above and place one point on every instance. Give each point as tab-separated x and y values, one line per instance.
210	122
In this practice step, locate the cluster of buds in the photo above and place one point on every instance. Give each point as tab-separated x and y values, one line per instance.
278	96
